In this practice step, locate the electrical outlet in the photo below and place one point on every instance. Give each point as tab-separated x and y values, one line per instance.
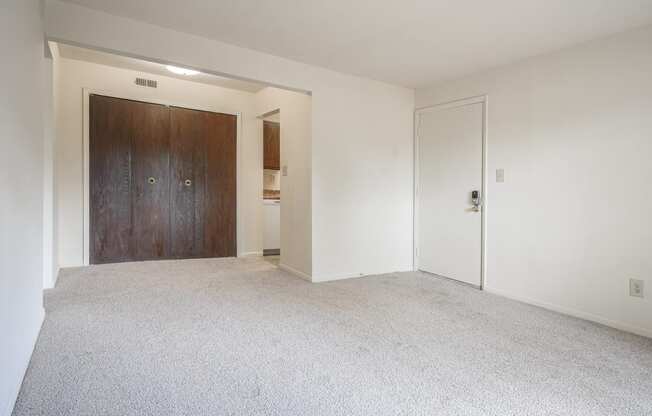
636	288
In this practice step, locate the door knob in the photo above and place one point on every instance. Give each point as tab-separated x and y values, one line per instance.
151	180
187	182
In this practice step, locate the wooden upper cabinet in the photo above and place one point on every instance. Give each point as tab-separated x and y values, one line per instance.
271	145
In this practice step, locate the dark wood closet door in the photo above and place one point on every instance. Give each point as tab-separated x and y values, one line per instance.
188	182
150	192
220	196
129	180
203	183
162	182
109	180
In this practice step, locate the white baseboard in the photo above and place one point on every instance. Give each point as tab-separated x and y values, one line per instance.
53	282
332	278
251	254
574	313
295	272
56	277
13	396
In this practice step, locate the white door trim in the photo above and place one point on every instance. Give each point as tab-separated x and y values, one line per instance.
87	92
484	100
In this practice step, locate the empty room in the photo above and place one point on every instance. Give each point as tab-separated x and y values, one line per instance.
326	208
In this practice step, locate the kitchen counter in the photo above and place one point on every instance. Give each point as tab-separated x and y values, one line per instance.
271	194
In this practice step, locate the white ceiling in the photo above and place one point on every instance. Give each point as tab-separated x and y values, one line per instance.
102	58
406	42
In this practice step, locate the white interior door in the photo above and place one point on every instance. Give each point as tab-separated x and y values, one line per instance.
449	224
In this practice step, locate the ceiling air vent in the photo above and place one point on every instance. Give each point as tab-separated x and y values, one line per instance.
143	82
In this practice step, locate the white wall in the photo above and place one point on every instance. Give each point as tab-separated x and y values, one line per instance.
362	163
573	131
361	137
76	75
21	191
50	255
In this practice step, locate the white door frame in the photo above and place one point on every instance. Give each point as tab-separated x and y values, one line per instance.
484	100
87	92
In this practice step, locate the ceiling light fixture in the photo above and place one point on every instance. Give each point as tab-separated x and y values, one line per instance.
181	71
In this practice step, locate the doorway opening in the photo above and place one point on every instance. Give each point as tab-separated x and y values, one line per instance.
271	140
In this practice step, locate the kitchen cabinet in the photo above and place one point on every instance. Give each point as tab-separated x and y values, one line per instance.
271	145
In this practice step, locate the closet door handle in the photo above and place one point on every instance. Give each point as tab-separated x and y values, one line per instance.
151	180
187	182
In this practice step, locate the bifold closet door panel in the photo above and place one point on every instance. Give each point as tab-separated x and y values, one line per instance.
187	181
203	183
151	181
220	197
129	180
109	179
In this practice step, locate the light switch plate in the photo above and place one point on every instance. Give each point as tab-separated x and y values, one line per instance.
500	175
636	288
284	170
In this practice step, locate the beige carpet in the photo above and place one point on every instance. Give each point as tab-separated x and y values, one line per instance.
241	337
